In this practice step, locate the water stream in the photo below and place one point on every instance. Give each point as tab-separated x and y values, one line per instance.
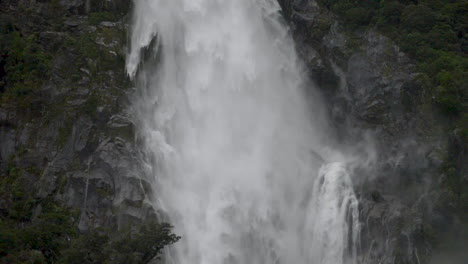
240	156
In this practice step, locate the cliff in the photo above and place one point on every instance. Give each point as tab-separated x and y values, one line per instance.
413	191
68	155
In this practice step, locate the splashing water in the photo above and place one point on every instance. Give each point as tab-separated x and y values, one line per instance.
236	150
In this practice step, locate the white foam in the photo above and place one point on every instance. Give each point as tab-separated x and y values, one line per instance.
234	139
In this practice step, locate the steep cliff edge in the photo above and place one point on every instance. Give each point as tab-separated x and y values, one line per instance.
413	195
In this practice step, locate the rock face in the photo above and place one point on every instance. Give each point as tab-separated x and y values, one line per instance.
77	135
375	98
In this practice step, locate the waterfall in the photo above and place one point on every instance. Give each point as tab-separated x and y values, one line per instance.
241	159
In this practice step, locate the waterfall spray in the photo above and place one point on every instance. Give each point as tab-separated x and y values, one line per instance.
241	160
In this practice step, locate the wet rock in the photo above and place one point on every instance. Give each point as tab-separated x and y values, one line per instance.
371	88
108	24
72	23
80	147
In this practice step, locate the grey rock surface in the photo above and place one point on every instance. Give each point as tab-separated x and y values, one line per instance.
373	96
81	145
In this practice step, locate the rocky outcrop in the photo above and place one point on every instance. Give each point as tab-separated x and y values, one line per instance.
375	98
74	132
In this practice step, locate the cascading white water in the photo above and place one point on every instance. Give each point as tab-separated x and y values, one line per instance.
236	151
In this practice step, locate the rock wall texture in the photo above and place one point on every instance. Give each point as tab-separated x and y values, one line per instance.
74	129
375	96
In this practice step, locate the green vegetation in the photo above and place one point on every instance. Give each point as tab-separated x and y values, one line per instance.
31	229
23	63
125	247
35	230
433	32
95	58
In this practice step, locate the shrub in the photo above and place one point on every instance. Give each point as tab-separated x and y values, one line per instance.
418	18
358	16
137	247
390	13
51	235
24	63
442	37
